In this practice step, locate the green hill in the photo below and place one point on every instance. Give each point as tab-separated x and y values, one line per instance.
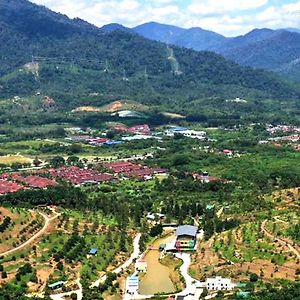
72	60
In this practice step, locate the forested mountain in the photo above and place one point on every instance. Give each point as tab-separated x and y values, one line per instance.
276	50
115	26
71	59
293	30
159	32
194	38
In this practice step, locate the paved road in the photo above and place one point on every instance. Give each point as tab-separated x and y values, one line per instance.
127	263
37	235
191	292
77	292
190	282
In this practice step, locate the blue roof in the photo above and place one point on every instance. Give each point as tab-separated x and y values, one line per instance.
133	278
113	143
93	251
187	230
178	129
243	294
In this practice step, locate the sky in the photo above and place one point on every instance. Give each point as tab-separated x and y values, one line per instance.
227	17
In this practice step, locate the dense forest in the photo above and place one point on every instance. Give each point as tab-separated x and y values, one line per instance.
71	59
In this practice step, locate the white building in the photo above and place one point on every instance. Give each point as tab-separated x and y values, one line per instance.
132	285
195	134
201	135
218	283
141	266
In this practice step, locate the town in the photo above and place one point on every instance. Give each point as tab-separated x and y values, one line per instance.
191	255
149	150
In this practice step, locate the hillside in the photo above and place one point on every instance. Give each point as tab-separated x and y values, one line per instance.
159	32
76	64
194	38
275	50
267	49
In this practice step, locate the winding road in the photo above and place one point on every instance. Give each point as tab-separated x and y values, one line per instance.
35	236
126	264
78	292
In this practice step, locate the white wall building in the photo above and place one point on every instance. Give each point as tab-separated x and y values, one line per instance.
195	134
218	283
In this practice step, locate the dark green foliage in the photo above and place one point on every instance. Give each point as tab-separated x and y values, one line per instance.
156	230
75	55
253	277
66	195
4	225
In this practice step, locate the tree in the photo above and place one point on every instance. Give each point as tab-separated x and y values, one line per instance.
253	277
16	166
57	161
156	230
72	160
4	274
204	293
36	162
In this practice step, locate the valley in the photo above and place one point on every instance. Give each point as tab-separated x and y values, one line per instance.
134	165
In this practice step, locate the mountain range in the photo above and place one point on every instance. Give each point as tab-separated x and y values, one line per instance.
275	50
76	63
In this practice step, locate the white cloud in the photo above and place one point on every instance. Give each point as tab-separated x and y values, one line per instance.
285	16
228	17
207	7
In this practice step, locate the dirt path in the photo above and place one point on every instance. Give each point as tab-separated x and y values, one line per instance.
34	237
282	241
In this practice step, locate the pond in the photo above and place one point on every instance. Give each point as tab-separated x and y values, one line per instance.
157	278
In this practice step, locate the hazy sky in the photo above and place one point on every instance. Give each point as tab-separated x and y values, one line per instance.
228	17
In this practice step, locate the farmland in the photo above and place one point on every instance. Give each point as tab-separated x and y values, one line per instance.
240	193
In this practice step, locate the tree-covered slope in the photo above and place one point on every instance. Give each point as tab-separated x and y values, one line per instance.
275	50
72	59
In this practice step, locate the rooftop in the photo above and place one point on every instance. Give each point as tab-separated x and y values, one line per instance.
58	283
186	230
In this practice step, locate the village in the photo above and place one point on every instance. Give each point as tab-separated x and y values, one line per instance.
182	249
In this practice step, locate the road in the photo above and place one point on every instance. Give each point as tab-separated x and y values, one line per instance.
127	263
191	291
78	292
34	237
282	241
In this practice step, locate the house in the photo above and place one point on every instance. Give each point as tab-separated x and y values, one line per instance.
129	114
218	283
228	152
204	177
56	285
93	251
9	187
79	176
141	266
186	236
132	285
37	182
112	143
154	216
201	135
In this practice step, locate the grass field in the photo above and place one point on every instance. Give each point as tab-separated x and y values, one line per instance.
10	159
